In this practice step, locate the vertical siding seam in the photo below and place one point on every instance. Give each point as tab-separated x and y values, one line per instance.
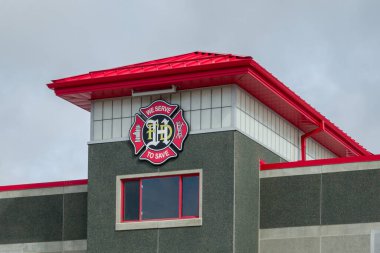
92	121
259	213
63	218
158	241
233	106
320	213
234	197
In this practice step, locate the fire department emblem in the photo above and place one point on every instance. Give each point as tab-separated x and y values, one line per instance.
159	132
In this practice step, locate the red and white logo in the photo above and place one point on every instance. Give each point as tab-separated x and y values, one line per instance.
161	134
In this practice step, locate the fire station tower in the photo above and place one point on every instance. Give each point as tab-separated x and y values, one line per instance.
200	152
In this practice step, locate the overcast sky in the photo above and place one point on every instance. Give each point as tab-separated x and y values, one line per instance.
326	51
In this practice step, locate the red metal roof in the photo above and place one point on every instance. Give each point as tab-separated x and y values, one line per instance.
202	69
175	62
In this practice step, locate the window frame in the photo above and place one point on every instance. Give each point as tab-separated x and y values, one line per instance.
181	221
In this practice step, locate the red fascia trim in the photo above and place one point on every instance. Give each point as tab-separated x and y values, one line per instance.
147	83
320	162
43	185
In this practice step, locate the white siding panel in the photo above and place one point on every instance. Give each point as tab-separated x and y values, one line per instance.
107	129
126	107
238	98
185	100
247	122
252	108
226	96
256	133
226	116
206	119
136	104
116	128
187	116
237	120
216	118
176	98
107	109
126	125
242	121
145	101
155	97
116	111
251	127
206	99
196	100
166	97
272	139
98	130
216	97
98	110
195	120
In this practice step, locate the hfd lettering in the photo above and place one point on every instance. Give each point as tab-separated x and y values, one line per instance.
158	132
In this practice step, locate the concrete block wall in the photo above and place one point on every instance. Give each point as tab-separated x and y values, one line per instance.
331	208
229	162
44	220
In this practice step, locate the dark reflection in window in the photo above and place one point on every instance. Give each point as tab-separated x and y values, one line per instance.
131	200
190	196
160	198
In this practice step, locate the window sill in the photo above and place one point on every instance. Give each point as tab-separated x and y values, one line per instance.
159	224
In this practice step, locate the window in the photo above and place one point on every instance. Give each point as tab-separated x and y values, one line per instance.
153	200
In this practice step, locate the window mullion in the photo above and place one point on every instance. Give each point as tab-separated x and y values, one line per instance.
140	199
122	195
180	197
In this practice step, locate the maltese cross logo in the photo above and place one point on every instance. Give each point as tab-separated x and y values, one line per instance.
161	134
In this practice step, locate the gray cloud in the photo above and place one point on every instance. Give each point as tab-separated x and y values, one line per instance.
325	51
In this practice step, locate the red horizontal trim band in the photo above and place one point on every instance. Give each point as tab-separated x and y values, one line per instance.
320	162
19	187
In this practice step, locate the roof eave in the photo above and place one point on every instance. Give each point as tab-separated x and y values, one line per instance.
308	110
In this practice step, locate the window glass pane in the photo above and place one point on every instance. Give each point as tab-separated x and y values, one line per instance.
160	198
190	196
131	200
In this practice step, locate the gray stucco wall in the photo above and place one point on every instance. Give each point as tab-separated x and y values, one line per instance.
228	159
351	197
290	201
321	199
213	153
43	218
247	190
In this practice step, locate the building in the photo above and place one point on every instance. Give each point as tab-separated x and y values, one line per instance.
200	152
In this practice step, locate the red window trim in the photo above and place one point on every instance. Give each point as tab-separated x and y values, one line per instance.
180	196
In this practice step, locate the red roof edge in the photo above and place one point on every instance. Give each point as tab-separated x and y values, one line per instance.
19	187
320	162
